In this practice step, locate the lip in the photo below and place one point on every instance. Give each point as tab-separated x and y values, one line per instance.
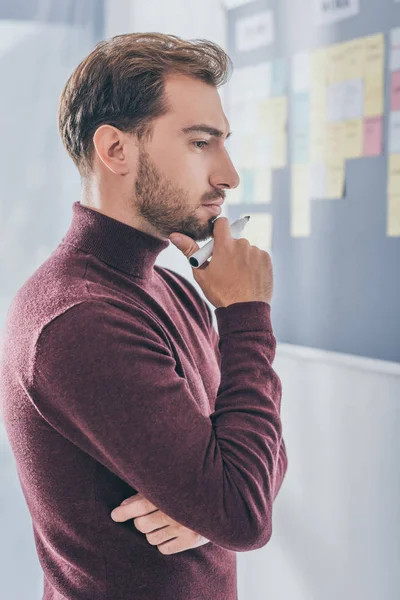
215	203
214	208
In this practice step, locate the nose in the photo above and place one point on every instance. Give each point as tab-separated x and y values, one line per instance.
225	175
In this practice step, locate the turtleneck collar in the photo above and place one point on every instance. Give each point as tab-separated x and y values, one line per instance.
113	242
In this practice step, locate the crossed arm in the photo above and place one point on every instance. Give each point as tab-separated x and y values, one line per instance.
162	531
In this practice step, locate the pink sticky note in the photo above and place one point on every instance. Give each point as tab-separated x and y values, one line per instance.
373	136
395	95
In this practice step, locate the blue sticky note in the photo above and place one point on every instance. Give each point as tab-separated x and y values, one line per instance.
300	115
279	77
247	183
300	148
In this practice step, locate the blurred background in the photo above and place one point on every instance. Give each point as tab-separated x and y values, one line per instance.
314	106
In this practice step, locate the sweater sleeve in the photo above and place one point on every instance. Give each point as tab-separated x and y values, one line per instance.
111	384
282	462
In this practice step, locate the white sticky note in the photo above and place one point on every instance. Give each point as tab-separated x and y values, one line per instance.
395	49
301	72
255	31
394	132
353	106
317	182
262	81
336	98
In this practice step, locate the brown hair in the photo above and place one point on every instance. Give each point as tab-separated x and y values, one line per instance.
121	83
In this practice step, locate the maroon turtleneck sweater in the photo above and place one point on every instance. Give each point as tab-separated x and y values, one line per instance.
114	381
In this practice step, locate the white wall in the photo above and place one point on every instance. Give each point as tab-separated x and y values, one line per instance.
337	517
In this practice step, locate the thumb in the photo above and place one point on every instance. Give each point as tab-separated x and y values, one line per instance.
184	243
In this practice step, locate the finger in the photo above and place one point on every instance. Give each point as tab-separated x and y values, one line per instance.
152	521
184	243
136	507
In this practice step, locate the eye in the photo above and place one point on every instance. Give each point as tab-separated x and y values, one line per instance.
202	142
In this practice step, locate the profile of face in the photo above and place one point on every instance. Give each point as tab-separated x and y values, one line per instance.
170	178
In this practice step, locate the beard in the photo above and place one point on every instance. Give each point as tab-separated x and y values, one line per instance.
165	205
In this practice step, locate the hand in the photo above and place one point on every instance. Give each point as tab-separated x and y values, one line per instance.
171	539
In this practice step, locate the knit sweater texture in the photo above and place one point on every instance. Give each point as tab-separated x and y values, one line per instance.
113	381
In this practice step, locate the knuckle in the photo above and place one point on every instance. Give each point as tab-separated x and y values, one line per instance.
165	549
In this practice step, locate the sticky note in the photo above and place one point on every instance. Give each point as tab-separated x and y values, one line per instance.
393	216
393	184
335	180
262	186
334	145
336	97
279	151
262	81
272	113
246	159
259	230
336	63
373	77
300	204
318	138
353	137
247	183
394	132
395	49
373	136
300	128
395	91
319	67
279	77
301	72
354	59
300	147
317	184
262	150
353	107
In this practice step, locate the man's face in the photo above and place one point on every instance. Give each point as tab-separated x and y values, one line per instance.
179	172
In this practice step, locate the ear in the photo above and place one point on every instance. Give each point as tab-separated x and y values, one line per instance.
114	148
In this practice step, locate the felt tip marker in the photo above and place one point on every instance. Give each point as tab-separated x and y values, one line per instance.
200	256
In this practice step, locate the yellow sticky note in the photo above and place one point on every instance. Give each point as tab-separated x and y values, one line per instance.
334	142
354	58
318	142
273	113
335	180
336	63
259	230
319	67
263	186
353	136
393	185
279	150
300	204
374	75
393	216
373	95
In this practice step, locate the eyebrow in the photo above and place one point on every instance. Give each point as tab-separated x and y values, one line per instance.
205	129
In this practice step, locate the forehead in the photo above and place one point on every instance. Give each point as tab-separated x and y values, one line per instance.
194	101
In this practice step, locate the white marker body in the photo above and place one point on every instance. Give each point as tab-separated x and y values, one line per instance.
199	258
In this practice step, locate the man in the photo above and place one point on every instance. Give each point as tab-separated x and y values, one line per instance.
115	384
